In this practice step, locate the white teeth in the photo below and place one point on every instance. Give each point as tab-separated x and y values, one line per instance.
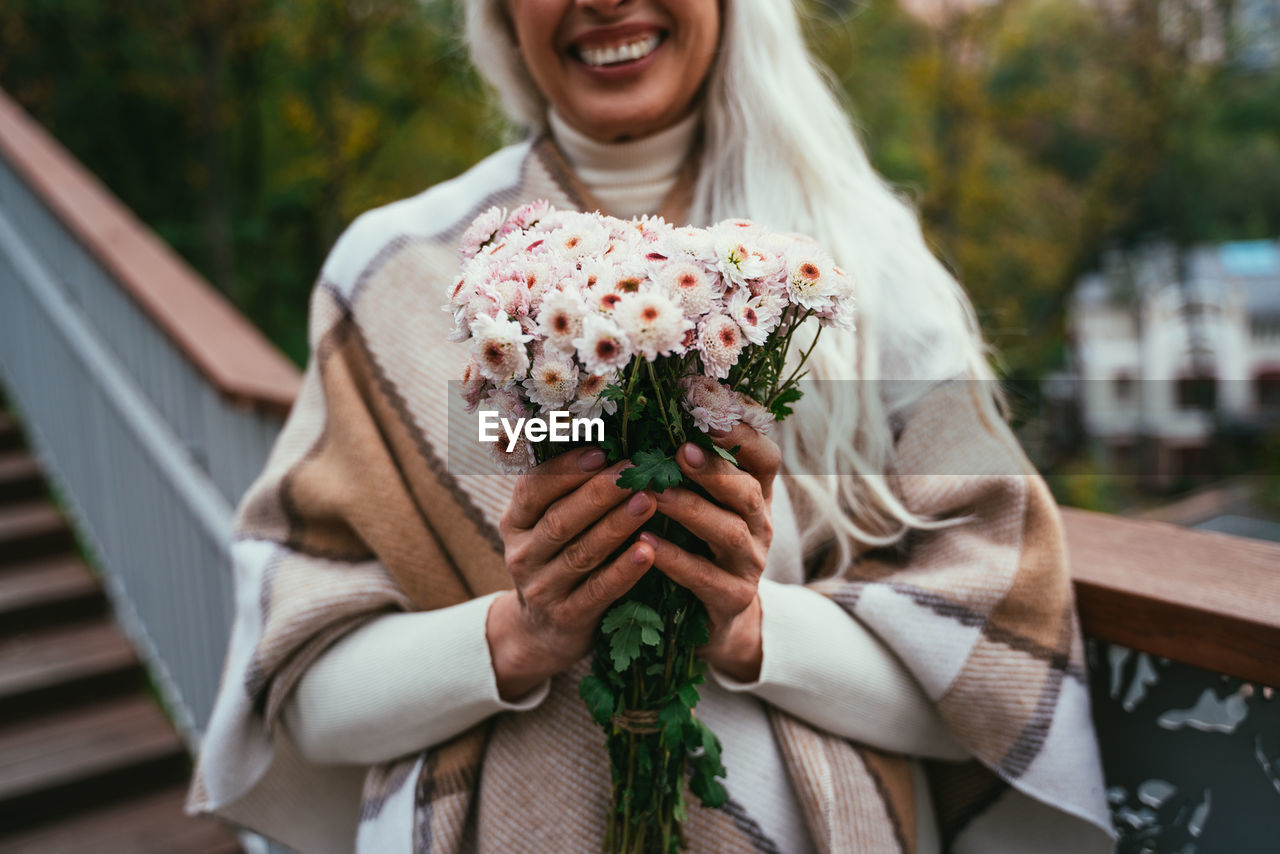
630	52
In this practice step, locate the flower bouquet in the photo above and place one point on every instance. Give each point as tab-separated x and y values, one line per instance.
659	334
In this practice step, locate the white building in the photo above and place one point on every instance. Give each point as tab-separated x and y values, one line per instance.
1167	351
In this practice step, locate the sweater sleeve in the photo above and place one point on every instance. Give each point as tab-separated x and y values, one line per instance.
399	684
828	669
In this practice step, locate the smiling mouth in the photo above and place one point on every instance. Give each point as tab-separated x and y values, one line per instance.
617	54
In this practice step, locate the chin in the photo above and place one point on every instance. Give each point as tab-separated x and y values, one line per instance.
621	118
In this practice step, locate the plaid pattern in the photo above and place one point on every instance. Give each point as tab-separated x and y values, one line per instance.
359	511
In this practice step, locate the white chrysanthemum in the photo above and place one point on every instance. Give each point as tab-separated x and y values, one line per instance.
720	342
712	405
585	239
811	281
498	345
757	316
627	276
474	385
692	285
592	271
754	414
603	346
689	244
603	298
482	230
589	403
552	380
521	458
560	318
740	255
653	322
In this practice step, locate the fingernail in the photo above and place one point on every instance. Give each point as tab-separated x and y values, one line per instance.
646	537
638	555
591	460
718	433
639	504
693	456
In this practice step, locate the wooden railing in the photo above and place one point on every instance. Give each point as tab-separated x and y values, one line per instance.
230	353
1206	599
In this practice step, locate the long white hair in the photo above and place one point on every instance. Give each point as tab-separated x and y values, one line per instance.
781	150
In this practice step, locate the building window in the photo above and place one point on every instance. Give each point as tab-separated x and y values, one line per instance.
1198	392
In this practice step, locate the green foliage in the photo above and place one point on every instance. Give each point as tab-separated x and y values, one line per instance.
652	470
628	626
598	696
249	133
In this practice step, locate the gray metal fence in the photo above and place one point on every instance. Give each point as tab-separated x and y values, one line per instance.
146	453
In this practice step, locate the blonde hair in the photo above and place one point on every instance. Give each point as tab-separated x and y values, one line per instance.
780	149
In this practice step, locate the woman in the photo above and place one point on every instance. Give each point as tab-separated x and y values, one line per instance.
411	626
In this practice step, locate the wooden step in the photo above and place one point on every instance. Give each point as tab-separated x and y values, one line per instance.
20	478
150	824
10	435
48	590
86	756
50	669
30	529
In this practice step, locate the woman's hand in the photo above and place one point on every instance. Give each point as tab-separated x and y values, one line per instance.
565	519
738	526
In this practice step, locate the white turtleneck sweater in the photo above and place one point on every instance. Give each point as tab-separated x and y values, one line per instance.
369	698
628	178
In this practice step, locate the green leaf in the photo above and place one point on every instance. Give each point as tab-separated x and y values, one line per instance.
628	626
780	407
699	630
598	697
672	718
652	470
688	694
731	455
708	789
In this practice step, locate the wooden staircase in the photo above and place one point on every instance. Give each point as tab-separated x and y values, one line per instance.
88	761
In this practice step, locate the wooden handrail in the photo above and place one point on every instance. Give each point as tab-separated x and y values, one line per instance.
1207	599
225	347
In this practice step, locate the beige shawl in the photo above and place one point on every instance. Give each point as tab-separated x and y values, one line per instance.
366	507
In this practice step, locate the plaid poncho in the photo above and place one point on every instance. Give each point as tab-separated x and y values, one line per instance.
361	510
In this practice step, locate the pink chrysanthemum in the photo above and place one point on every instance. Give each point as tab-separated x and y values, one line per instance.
720	342
653	323
526	216
754	414
498	345
712	405
602	347
481	231
756	316
840	313
519	459
474	385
